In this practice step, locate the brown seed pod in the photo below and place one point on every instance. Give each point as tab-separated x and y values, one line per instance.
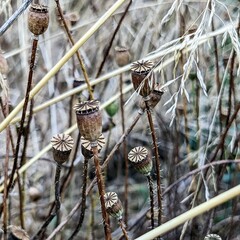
113	205
89	120
62	145
143	78
17	233
141	160
154	98
87	149
38	19
3	65
122	56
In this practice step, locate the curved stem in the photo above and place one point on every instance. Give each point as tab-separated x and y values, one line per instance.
150	184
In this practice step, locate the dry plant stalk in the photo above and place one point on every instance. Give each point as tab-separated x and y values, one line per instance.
89	121
62	145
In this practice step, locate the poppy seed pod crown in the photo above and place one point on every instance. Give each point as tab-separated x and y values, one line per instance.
62	145
38	19
87	149
142	77
89	120
141	160
113	205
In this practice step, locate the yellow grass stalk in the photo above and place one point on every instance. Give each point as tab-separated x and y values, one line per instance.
194	212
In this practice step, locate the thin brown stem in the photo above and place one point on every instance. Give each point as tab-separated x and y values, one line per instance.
90	91
92	215
83	205
224	134
112	38
231	87
157	162
21	212
101	190
120	141
57	204
24	111
150	184
123	227
124	151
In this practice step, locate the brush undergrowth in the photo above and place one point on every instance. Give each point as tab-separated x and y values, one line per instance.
196	53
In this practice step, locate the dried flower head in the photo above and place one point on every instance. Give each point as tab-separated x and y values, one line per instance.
17	233
143	77
89	120
141	160
62	145
122	56
38	19
113	205
3	65
87	149
154	98
212	237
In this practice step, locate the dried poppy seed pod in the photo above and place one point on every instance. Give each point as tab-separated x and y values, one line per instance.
212	237
154	98
87	149
38	19
62	145
141	160
122	56
89	120
142	77
113	205
17	233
